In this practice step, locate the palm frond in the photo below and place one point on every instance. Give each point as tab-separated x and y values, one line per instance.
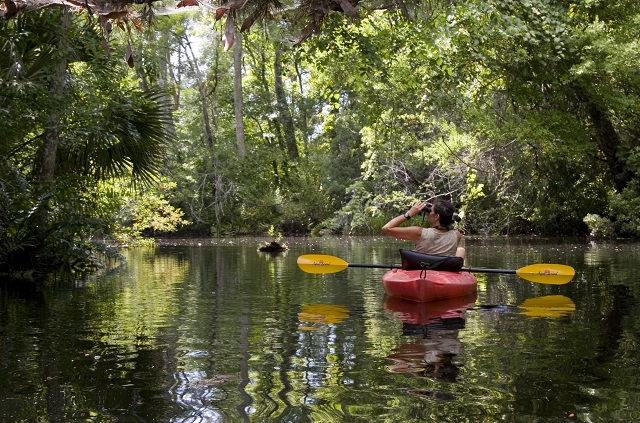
131	139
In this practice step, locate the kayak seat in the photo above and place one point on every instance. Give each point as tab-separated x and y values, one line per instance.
412	260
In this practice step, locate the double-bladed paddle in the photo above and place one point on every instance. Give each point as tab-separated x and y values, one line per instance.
551	274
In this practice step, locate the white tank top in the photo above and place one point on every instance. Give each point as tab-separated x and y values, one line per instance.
433	241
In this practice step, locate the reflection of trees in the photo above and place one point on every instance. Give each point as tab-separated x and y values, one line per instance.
216	334
610	342
622	304
141	310
299	368
132	334
98	350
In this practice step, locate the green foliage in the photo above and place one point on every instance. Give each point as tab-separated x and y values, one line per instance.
103	127
353	217
118	133
522	113
624	211
599	227
145	213
49	232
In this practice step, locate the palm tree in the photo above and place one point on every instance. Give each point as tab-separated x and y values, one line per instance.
68	123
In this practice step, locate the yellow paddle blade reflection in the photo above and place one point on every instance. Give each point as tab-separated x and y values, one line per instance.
548	306
553	274
320	263
321	313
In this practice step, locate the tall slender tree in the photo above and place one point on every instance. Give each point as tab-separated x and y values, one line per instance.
238	98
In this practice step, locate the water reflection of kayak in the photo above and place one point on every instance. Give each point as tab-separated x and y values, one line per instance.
428	285
432	352
428	312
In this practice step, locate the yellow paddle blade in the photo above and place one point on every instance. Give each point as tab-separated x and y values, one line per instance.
320	263
548	306
553	274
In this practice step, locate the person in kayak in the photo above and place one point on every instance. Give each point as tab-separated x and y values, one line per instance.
439	238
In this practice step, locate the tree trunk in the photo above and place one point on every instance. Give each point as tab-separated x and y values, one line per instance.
607	138
304	110
283	107
203	93
237	94
165	79
46	163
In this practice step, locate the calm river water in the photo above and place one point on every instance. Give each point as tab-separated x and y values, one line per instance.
215	331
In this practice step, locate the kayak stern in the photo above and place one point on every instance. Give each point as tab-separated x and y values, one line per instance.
428	285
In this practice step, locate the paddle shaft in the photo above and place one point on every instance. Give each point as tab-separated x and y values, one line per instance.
482	270
464	269
376	266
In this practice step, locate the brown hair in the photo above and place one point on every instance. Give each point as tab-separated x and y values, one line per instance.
446	211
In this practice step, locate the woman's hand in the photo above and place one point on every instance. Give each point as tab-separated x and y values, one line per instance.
417	208
411	233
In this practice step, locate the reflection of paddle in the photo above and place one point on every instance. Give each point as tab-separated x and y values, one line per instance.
548	306
323	313
551	274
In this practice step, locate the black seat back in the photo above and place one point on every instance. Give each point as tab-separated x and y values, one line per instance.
412	260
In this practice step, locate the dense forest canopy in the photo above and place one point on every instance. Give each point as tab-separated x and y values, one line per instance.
122	120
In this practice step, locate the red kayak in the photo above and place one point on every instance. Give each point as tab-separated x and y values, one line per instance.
428	285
